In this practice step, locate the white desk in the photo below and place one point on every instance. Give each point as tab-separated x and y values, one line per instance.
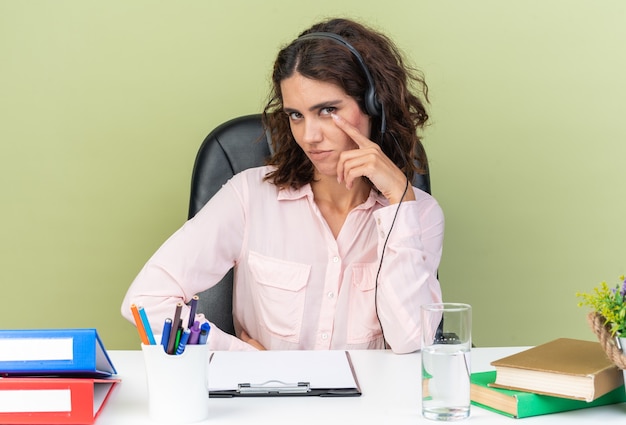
391	395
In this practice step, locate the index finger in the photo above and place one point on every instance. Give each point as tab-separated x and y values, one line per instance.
351	131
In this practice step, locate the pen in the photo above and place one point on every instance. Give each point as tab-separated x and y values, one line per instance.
195	333
192	312
204	333
165	336
171	348
183	341
139	324
146	325
179	334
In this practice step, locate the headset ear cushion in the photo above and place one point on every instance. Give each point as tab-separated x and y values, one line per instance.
372	105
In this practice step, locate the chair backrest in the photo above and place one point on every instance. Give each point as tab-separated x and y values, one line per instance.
230	148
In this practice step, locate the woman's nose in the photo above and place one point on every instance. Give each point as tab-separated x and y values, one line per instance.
312	131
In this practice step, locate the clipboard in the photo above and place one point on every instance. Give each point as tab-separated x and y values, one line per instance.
282	373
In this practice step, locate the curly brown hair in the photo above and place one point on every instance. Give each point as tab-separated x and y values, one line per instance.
326	60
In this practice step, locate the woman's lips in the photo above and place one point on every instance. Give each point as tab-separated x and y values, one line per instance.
319	154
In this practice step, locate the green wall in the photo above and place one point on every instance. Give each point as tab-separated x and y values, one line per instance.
104	104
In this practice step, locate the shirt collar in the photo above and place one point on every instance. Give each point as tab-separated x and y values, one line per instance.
290	193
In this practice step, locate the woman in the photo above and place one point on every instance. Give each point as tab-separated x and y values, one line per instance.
332	247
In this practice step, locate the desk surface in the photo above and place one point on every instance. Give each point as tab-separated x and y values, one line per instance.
391	395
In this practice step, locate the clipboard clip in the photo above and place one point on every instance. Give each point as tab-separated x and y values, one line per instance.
274	387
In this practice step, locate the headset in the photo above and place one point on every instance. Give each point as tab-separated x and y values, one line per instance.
373	106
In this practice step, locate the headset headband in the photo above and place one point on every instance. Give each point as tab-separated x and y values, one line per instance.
372	104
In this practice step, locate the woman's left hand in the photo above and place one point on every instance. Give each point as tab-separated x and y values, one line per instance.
370	161
253	342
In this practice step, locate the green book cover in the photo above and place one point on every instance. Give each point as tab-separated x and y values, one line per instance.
520	404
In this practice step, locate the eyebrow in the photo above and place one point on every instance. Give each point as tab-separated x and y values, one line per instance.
317	106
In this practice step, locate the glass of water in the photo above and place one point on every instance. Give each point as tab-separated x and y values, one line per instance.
446	345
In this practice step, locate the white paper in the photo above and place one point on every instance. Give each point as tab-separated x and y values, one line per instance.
31	349
102	361
321	369
23	401
100	392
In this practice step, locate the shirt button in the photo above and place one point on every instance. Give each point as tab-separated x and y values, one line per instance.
324	336
335	259
331	295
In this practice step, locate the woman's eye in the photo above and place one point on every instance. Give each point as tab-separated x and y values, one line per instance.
328	110
294	115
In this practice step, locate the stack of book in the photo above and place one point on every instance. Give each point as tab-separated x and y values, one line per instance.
53	376
560	375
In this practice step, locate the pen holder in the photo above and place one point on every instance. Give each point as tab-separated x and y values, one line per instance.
178	385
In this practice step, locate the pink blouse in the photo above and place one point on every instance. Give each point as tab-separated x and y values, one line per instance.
296	286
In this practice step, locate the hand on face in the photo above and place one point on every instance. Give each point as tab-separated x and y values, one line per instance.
370	161
332	130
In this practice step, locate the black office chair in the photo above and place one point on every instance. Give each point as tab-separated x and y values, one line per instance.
230	148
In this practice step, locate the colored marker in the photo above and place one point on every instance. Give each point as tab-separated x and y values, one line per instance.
179	334
165	336
195	333
183	341
204	333
146	325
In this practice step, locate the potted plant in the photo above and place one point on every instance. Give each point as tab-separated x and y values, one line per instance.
607	319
